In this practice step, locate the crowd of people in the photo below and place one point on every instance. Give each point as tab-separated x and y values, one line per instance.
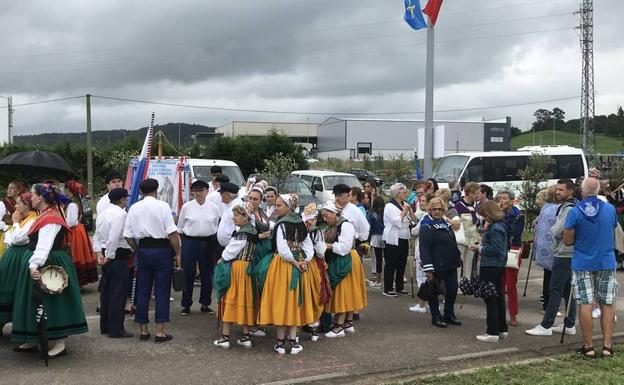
274	264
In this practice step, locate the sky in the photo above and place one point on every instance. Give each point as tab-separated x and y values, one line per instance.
318	58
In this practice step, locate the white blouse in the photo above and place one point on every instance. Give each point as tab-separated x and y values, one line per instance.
71	214
233	248
395	227
44	245
319	244
344	243
284	250
18	235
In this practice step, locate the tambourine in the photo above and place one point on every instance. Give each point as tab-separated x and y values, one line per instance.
54	279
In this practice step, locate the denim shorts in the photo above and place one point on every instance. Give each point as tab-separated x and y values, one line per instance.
600	286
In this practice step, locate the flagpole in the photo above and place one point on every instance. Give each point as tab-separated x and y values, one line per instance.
428	155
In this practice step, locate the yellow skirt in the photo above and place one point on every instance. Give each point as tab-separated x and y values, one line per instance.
315	276
238	302
3	246
350	294
279	304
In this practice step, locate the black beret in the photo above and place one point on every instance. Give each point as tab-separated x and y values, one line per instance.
199	184
111	176
222	178
229	187
341	188
117	194
149	185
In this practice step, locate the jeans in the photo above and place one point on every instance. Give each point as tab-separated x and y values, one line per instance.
495	306
560	288
396	259
449	280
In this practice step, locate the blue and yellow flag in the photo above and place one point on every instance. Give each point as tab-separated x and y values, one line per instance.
413	14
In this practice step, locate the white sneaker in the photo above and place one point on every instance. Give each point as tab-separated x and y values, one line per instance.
559	329
171	299
279	349
418	309
503	335
315	337
539	330
559	314
296	348
349	329
246	343
487	338
333	334
257	333
596	313
222	344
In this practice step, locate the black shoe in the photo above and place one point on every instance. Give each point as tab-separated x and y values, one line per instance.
144	337
57	355
439	323
125	335
389	294
206	309
404	292
185	311
32	349
97	310
453	321
165	338
356	316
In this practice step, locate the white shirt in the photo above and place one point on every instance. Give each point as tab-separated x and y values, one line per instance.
394	227
319	244
211	187
3	211
197	220
103	204
226	225
18	235
344	243
284	250
149	218
71	214
215	197
355	216
109	228
269	210
233	248
44	245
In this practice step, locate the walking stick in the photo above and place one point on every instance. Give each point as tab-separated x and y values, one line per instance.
412	269
526	283
567	314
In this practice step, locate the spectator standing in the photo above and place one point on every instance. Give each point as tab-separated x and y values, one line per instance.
543	242
375	218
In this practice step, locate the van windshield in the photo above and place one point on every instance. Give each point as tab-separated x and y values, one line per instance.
350	180
449	168
232	172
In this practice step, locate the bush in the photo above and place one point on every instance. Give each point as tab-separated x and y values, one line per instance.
533	178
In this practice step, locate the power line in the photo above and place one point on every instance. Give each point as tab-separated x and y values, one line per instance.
44	101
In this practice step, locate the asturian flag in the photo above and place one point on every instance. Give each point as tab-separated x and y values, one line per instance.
413	15
137	170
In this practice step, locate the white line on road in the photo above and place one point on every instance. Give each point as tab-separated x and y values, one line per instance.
478	354
302	380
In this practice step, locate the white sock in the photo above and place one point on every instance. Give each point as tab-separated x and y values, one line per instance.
28	345
57	348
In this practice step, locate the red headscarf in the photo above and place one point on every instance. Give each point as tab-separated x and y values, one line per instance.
76	188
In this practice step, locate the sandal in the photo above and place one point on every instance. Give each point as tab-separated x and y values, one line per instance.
586	352
607	352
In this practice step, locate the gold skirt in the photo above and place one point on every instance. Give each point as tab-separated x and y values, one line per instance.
238	302
350	294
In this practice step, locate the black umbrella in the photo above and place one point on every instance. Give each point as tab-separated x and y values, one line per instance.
36	162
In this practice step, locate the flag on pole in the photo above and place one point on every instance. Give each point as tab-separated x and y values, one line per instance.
413	15
432	9
419	175
139	165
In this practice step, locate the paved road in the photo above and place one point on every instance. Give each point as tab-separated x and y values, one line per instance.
390	343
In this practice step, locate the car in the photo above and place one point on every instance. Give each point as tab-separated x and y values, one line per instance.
322	182
299	187
364	175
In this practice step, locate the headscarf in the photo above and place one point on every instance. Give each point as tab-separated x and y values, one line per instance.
291	200
259	187
27	199
309	212
50	193
331	206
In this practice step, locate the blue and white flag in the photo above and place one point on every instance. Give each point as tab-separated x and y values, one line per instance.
137	171
413	15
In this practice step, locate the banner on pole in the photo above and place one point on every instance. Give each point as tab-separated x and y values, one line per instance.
413	15
432	9
173	181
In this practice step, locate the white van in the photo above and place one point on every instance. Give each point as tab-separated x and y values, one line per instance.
200	169
499	169
322	182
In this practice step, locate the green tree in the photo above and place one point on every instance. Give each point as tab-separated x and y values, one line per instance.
534	176
515	131
278	168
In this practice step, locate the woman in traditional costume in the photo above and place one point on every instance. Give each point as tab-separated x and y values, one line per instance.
82	253
286	299
16	240
317	267
63	314
233	279
7	208
346	273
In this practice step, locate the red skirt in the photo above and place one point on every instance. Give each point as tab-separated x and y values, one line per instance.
82	255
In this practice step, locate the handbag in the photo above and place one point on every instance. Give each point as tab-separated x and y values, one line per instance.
177	279
513	257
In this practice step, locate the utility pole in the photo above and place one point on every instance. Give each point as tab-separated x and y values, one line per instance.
428	155
10	113
89	150
586	27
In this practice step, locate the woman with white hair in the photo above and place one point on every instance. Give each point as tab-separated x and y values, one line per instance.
286	299
346	274
398	218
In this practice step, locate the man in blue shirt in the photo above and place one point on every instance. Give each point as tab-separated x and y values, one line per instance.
590	227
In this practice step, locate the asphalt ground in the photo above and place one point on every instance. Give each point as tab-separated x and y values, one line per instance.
390	344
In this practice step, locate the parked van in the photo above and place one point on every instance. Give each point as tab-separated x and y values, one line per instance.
322	182
500	169
200	169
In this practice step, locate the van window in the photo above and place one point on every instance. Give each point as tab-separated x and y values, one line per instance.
317	185
449	168
307	179
331	180
504	169
475	171
567	166
232	172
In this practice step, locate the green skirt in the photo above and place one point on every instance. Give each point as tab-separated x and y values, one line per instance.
65	314
10	266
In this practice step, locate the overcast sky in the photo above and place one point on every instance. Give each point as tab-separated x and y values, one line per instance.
296	55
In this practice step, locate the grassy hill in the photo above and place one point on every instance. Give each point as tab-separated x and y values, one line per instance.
604	144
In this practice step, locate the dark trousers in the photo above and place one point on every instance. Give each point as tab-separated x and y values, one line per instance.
113	289
449	279
560	288
546	287
202	253
396	259
495	306
154	269
379	255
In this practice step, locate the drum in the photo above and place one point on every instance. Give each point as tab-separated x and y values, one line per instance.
54	279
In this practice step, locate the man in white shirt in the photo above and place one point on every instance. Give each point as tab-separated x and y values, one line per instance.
229	199
214	196
197	225
350	212
113	181
113	257
151	232
215	172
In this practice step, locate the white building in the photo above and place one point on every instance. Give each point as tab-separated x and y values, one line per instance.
354	138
